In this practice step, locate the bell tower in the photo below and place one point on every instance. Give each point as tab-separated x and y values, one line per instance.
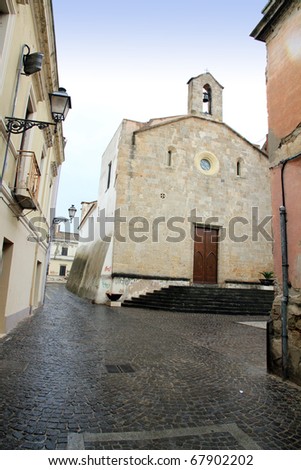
205	97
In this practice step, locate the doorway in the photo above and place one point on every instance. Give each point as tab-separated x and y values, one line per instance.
5	267
205	255
36	300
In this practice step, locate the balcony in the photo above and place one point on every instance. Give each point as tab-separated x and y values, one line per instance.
27	180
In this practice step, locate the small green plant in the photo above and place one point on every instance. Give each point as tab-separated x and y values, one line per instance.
267	274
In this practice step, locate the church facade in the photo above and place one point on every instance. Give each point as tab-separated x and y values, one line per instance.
182	200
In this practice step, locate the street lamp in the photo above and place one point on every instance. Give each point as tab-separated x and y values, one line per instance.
60	103
71	211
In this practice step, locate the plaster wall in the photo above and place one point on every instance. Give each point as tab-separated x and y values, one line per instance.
283	77
24	289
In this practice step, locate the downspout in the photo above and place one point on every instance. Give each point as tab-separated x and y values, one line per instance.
284	299
285	281
19	73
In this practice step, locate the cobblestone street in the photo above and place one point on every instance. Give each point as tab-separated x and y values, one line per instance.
81	376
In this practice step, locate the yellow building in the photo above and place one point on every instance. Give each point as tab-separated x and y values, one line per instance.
62	252
31	152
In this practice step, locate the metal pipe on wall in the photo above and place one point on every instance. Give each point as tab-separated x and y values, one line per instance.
285	266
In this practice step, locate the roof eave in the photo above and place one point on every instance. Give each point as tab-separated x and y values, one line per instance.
272	12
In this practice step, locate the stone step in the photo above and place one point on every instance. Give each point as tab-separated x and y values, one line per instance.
202	305
220	311
206	300
205	297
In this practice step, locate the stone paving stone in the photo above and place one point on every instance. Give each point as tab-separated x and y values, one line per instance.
224	440
189	371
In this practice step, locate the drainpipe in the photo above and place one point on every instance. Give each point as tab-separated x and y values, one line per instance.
19	73
284	300
285	282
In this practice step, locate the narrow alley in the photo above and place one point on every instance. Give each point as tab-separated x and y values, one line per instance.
82	376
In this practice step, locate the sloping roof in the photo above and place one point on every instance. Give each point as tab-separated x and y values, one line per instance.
93	206
150	126
203	74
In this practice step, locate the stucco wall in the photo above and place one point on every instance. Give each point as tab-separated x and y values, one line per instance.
25	285
283	77
281	32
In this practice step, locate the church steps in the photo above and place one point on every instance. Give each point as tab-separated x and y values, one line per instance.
206	300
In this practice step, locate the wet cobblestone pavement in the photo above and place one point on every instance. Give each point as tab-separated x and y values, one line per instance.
179	381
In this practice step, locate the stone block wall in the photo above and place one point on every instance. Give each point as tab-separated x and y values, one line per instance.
162	202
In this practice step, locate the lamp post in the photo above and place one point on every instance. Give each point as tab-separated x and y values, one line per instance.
71	211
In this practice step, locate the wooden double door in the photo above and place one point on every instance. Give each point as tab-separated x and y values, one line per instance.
205	255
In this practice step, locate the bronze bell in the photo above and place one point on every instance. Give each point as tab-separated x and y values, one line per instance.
205	97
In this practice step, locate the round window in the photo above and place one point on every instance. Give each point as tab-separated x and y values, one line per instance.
205	164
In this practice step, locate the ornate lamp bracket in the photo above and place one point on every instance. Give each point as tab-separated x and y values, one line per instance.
18	126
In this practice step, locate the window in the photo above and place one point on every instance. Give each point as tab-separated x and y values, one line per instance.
109	174
169	158
239	167
63	270
64	251
207	163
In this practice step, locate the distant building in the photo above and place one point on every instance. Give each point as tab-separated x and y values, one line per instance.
62	252
182	199
29	161
280	29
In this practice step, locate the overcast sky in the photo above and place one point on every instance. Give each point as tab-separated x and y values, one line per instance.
132	59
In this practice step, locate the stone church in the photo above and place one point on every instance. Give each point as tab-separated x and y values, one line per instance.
182	200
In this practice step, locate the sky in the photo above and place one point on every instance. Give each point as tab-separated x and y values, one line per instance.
130	59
